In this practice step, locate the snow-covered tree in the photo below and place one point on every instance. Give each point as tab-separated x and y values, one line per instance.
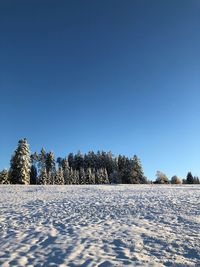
70	175
33	175
21	164
137	172
125	168
59	161
71	160
50	167
42	179
102	176
175	180
115	177
196	180
105	176
66	170
41	166
82	176
59	177
90	176
90	160
78	161
75	177
4	177
34	168
108	162
190	178
161	178
93	177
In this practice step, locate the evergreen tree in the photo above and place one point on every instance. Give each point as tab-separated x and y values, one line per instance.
97	177
66	171
71	160
71	179
105	176
4	177
34	162
137	172
42	180
59	161
33	175
59	178
189	179
75	177
196	180
125	167
42	167
102	176
90	176
78	161
50	167
108	162
82	177
21	163
90	160
115	177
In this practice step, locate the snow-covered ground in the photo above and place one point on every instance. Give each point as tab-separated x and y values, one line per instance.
122	225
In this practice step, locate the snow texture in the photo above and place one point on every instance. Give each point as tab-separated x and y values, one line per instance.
108	225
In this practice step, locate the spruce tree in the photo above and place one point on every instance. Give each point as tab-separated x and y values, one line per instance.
66	170
4	177
189	179
196	180
102	176
75	177
90	176
115	177
78	161
125	168
42	179
50	167
82	177
33	175
42	174
137	172
71	160
71	176
91	160
21	163
59	161
59	177
105	176
34	171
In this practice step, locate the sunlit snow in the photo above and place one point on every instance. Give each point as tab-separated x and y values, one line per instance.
108	225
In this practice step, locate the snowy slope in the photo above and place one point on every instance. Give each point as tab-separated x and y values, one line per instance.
124	225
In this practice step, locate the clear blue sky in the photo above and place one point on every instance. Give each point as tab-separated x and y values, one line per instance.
105	74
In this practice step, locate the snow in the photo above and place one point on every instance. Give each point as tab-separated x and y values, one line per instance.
108	225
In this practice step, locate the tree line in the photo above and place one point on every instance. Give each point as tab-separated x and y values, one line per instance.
91	168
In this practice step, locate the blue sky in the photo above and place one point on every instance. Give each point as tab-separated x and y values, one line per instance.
103	75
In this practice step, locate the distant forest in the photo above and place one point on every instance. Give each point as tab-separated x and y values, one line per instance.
90	168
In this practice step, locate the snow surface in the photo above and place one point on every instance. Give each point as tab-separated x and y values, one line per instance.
108	225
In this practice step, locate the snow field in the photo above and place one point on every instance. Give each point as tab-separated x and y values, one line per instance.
100	225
